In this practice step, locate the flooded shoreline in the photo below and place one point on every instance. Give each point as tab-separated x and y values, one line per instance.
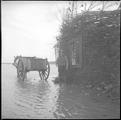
35	98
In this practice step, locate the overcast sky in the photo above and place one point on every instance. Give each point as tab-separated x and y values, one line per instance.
29	28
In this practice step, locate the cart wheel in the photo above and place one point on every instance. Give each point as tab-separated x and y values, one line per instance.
44	74
20	70
16	60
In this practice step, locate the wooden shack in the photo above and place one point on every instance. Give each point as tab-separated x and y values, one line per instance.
89	38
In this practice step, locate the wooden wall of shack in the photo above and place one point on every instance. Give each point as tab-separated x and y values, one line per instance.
98	36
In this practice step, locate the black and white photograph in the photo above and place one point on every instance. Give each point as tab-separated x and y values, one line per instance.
60	59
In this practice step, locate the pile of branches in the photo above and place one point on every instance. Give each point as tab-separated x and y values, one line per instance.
102	44
101	41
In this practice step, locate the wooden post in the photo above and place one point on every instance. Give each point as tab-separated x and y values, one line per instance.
81	47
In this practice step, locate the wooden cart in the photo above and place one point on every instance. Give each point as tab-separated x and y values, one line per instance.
26	64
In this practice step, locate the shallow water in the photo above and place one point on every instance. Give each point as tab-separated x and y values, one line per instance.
35	98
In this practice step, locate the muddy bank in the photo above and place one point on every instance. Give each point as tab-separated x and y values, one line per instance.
95	85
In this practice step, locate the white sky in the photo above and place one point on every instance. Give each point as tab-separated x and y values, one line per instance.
29	28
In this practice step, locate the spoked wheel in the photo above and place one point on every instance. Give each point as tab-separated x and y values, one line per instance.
44	74
16	60
20	70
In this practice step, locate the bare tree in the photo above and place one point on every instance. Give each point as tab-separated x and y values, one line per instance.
60	14
85	6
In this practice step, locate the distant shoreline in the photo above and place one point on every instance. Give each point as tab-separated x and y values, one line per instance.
51	62
6	63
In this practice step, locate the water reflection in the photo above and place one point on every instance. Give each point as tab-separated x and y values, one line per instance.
34	98
39	98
